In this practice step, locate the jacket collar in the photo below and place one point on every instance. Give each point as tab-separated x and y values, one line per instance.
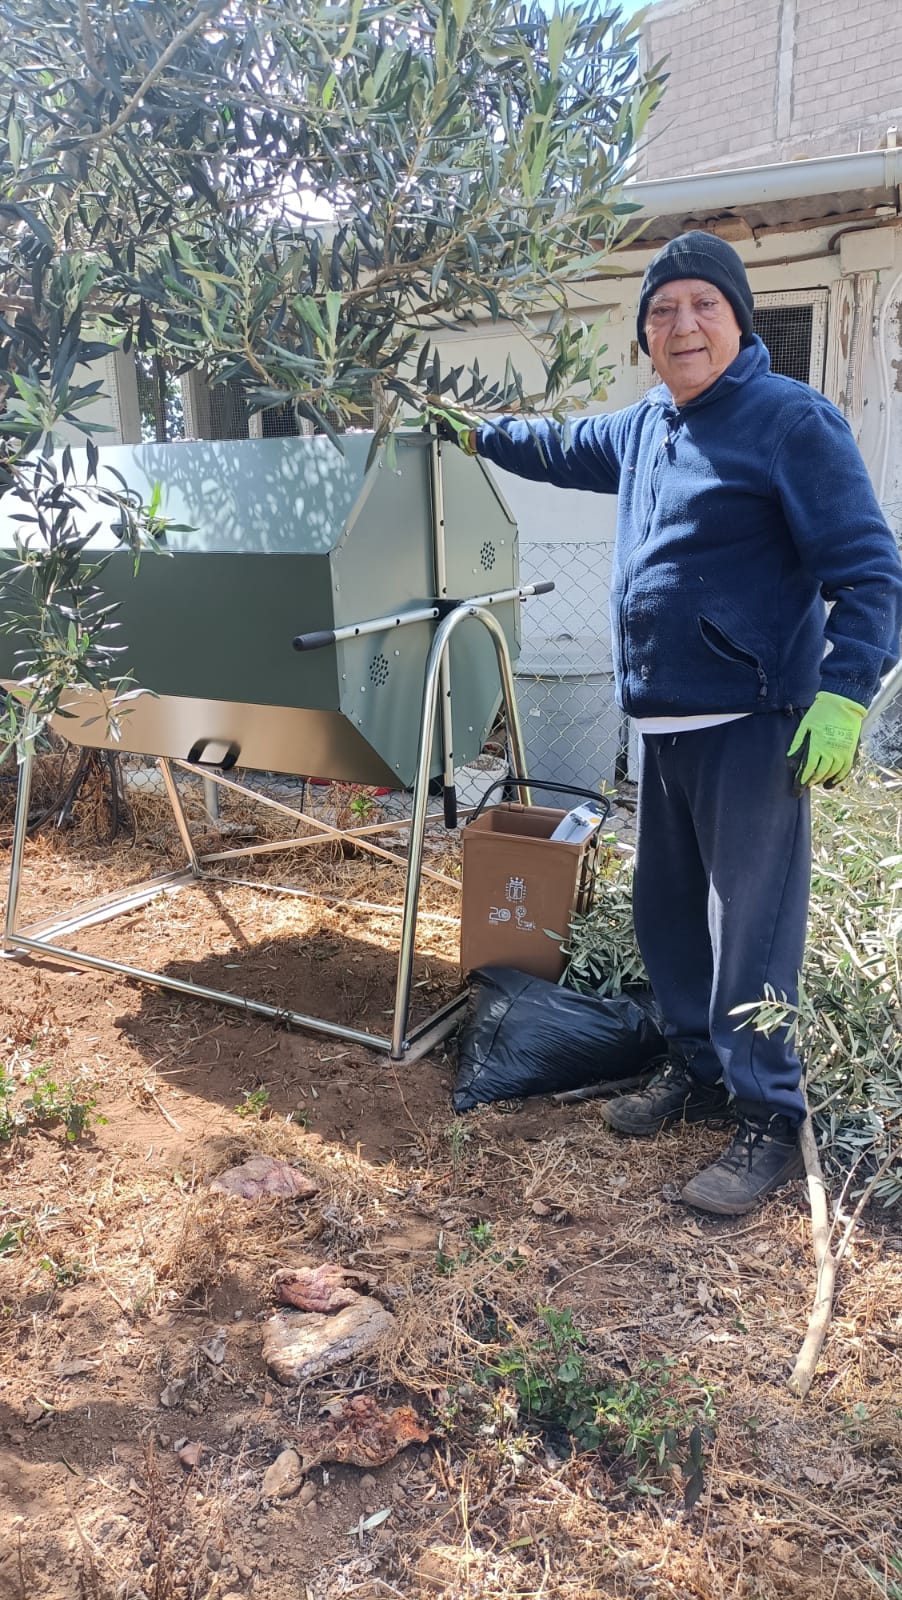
752	361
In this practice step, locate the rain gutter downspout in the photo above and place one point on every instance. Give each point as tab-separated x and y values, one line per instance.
729	189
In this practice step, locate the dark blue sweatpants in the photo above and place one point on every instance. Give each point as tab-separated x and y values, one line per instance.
723	867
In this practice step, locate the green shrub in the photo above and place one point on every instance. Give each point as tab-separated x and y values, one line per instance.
601	950
656	1420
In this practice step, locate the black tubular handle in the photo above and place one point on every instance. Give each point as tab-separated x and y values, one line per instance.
449	806
541	588
545	783
313	641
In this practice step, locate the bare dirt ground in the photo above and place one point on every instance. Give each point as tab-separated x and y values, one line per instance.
119	1266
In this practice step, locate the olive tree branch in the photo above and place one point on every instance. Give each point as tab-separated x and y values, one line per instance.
826	1261
206	13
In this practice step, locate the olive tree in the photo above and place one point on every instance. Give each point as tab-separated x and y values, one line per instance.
295	195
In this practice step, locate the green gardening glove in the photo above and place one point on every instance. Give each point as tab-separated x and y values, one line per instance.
824	747
456	426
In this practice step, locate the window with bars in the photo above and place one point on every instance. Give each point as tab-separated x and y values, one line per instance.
172	407
786	330
219	411
155	403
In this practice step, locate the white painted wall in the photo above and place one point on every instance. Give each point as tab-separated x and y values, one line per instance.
568	536
862	270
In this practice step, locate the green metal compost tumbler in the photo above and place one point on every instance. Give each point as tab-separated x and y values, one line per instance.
312	614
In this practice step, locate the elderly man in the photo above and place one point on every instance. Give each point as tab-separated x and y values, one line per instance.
743	505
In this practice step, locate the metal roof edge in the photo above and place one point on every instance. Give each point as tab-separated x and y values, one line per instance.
784	180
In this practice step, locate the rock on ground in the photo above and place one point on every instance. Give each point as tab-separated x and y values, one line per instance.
361	1434
325	1288
283	1477
300	1345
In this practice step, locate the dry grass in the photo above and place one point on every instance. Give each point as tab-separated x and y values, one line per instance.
466	1227
796	1502
340	870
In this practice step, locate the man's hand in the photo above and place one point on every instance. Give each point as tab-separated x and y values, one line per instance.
455	426
824	747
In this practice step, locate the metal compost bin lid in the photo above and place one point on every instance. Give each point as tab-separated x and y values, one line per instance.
286	536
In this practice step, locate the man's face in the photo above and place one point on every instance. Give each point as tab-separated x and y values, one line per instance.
692	334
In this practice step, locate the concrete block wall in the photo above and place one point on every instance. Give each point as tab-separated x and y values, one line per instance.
755	81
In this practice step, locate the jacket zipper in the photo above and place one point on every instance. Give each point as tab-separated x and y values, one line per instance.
665	448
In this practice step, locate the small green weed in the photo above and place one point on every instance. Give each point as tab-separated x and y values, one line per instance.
254	1103
31	1098
657	1420
479	1246
362	805
12	1239
552	1380
853	1422
482	1237
653	1416
458	1136
65	1274
885	1580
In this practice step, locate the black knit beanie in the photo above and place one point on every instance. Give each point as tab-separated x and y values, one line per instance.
698	255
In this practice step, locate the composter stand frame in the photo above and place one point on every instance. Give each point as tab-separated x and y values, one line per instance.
403	1043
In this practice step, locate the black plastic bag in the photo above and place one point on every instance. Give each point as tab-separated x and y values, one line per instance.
524	1036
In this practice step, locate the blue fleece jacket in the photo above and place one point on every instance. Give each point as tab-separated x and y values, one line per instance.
739	515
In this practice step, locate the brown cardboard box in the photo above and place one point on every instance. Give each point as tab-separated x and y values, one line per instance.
518	882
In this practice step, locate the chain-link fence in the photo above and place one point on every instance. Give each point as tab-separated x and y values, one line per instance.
883	741
572	728
883	733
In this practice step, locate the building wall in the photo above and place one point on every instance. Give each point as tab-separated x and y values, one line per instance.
756	81
861	271
564	675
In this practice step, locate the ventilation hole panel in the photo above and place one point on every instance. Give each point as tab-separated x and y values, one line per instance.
378	670
487	556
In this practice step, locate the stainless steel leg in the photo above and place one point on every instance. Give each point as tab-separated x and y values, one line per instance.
421	792
399	1045
511	709
441	590
886	694
211	799
162	980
